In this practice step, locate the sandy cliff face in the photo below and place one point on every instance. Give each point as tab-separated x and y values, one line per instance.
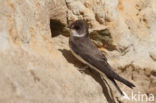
36	65
131	28
32	70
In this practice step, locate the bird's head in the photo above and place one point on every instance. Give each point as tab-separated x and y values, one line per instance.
79	28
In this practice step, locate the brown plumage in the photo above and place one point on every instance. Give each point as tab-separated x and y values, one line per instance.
88	53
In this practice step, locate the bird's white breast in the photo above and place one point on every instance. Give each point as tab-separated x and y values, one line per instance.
76	34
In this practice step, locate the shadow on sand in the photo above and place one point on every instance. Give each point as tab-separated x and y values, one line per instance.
106	88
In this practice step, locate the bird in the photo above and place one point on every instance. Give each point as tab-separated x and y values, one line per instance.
86	51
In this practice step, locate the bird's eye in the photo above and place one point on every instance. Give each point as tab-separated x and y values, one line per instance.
77	27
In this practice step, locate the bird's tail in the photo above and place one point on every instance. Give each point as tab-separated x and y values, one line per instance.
117	87
124	81
120	79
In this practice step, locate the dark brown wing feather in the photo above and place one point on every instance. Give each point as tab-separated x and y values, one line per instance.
89	52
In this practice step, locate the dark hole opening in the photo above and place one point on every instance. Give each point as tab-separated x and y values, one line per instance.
58	28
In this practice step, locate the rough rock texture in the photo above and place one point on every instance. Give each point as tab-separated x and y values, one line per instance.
132	26
32	70
37	66
131	23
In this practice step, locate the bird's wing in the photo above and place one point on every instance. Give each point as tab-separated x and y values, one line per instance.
89	52
89	49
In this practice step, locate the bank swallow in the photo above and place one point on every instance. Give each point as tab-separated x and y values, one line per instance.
84	49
